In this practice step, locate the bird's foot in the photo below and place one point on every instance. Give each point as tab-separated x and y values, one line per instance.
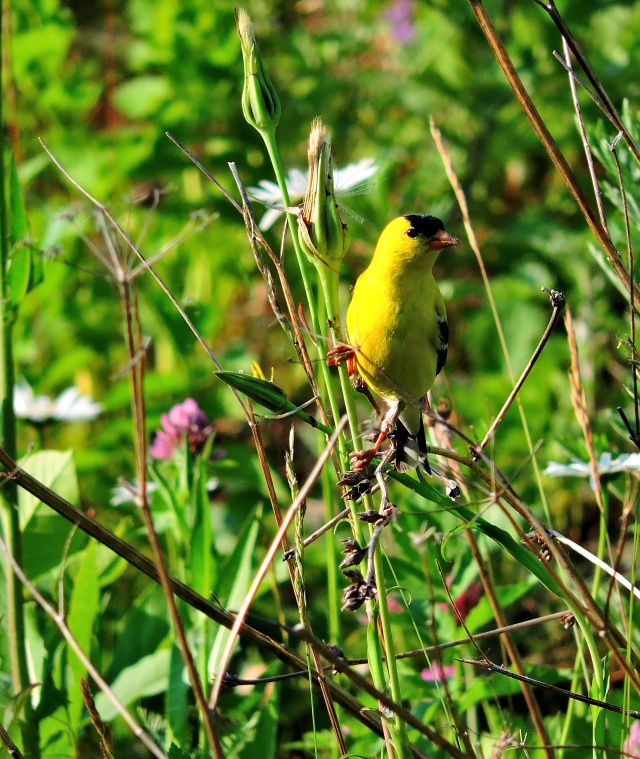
360	460
339	354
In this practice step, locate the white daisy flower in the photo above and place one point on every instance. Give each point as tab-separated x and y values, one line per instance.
628	462
124	492
350	180
69	406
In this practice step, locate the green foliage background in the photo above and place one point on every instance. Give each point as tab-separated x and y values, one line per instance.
100	84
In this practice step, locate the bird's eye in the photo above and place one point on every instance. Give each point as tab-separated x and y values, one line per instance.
412	232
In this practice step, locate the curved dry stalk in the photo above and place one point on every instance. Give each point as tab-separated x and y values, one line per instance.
558	302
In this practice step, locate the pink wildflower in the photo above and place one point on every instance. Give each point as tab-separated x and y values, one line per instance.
400	16
436	673
185	419
632	744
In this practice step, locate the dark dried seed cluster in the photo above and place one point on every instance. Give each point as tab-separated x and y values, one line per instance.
534	538
359	484
371	516
354	554
358	592
568	620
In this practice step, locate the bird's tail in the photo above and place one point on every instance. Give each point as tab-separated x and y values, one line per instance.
411	450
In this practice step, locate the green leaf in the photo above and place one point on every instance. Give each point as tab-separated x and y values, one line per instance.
175	752
262	745
56	470
242	561
142	96
85	602
177	710
201	563
599	714
45	533
147	677
19	274
25	265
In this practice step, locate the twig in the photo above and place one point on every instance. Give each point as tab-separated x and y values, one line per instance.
59	622
569	69
585	140
11	747
492	667
319	532
634	356
133	341
558	302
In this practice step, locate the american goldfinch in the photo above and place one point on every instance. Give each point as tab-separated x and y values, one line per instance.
397	331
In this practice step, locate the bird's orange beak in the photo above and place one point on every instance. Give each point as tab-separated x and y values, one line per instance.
442	239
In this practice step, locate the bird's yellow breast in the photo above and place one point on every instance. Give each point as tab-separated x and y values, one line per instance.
393	324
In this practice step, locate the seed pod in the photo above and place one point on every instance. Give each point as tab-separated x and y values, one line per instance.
260	102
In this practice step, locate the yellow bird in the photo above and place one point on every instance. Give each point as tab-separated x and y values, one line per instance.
397	331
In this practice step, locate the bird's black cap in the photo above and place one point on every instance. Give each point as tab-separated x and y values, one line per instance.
423	224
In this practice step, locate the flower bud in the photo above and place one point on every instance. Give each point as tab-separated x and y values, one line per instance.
260	102
323	236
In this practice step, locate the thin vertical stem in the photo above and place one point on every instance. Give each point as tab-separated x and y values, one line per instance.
9	500
136	356
583	135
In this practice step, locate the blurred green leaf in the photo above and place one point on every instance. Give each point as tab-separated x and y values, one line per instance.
238	578
146	677
19	225
83	609
45	534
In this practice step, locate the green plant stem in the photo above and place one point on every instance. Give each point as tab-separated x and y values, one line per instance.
329	280
9	499
269	138
303	264
402	740
333	602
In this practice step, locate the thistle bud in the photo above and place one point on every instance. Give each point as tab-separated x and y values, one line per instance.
323	236
260	103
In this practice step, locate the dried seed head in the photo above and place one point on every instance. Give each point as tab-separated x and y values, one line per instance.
323	236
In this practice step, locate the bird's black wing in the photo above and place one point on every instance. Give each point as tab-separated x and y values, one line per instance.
443	343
